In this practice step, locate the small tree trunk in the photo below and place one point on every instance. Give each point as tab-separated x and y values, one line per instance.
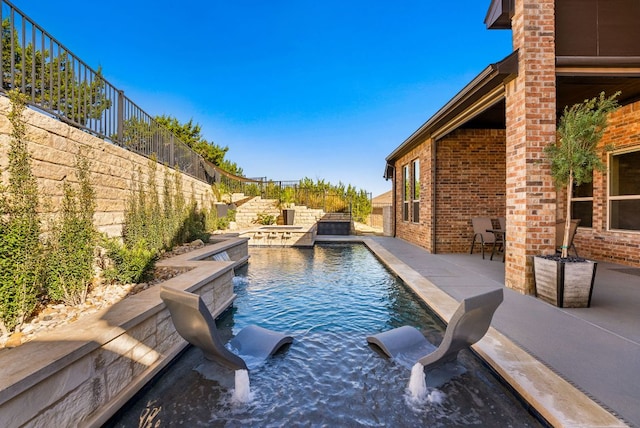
567	222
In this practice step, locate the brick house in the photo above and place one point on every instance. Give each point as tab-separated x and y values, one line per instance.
480	154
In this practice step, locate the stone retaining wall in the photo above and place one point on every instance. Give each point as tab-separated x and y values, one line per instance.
247	213
53	146
81	374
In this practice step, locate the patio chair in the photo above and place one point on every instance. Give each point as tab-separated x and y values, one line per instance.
502	222
499	239
480	234
468	325
196	325
573	228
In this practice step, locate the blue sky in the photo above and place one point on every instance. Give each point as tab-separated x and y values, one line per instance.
324	89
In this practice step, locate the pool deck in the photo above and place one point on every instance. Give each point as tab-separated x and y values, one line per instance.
576	367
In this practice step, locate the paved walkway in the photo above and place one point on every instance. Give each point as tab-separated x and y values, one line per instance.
595	349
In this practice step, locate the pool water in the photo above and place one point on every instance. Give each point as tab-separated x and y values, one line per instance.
329	298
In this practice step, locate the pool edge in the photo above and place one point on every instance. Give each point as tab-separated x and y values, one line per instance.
553	398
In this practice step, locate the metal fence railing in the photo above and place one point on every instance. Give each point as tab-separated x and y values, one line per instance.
289	191
330	199
58	83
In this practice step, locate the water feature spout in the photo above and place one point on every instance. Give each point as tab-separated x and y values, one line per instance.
222	257
242	393
417	384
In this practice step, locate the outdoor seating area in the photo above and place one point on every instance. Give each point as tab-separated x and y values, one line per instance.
468	325
195	323
489	232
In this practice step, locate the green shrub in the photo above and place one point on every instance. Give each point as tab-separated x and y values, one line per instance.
193	225
223	222
71	247
155	232
20	247
130	265
265	218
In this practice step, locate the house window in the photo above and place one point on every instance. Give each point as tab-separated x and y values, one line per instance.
406	192
415	191
582	204
624	191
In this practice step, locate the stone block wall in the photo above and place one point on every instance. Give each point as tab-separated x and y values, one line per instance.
81	374
54	145
247	213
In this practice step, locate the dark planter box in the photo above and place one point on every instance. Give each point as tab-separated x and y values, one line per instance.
566	284
221	210
288	215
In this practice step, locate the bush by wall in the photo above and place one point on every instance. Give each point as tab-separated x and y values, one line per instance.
72	243
60	266
153	225
20	247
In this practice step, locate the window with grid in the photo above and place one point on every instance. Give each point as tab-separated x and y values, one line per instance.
582	204
406	192
624	191
415	191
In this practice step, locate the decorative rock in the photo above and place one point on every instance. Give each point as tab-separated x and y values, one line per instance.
14	340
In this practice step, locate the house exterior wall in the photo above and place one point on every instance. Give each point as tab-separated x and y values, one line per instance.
470	171
525	194
419	233
451	171
530	126
597	242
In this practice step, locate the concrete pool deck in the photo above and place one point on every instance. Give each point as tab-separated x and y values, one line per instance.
575	367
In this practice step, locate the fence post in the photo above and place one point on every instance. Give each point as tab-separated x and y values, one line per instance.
172	151
120	119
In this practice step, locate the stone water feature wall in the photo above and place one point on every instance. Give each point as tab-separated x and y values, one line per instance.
81	374
247	213
53	146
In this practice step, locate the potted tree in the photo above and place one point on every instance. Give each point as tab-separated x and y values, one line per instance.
562	280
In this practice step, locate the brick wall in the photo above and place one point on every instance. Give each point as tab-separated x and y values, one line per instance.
597	242
470	183
419	233
54	145
463	160
530	126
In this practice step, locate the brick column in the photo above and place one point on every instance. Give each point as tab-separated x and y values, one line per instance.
531	125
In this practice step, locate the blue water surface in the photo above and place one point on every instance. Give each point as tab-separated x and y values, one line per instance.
329	298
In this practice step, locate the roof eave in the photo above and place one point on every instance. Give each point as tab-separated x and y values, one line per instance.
492	76
499	15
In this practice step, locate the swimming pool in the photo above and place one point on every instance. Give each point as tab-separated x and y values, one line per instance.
329	298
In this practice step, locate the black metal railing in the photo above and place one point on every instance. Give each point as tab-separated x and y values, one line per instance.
59	83
329	199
